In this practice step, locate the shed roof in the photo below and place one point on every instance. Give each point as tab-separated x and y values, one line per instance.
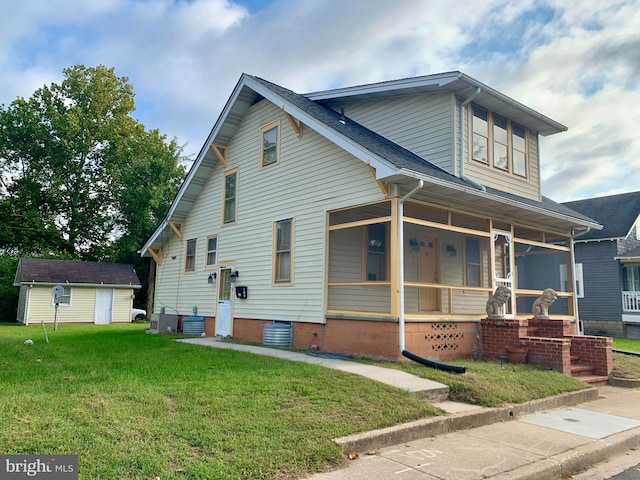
53	272
617	213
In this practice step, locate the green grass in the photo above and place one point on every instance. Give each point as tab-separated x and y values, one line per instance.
626	366
136	406
627	344
489	384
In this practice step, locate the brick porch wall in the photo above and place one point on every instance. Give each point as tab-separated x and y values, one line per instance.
498	333
551	328
553	353
551	343
595	351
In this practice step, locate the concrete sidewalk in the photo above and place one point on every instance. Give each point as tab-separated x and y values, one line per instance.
551	438
549	444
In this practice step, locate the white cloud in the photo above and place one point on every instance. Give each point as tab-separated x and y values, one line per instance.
575	62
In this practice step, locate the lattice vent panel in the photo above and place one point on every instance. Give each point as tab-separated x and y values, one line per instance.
444	337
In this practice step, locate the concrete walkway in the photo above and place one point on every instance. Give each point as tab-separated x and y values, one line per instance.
552	438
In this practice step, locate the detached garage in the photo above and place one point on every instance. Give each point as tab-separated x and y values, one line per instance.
93	292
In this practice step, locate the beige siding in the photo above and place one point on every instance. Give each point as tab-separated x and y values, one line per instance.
82	309
312	177
420	123
122	304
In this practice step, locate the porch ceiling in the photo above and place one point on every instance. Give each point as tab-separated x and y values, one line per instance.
501	206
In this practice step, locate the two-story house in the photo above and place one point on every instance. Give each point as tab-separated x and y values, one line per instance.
608	265
372	219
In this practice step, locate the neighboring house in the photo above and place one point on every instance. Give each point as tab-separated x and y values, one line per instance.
608	263
372	219
93	292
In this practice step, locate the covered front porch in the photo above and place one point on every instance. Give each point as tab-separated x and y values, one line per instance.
452	261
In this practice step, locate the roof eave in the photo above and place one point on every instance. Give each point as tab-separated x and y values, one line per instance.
570	221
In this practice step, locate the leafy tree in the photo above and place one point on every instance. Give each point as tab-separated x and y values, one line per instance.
79	174
79	177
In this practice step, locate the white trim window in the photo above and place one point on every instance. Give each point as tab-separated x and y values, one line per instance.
65	299
579	282
212	251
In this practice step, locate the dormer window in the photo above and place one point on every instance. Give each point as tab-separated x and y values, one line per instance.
499	142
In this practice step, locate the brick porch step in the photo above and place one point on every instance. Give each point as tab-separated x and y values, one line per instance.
595	380
581	370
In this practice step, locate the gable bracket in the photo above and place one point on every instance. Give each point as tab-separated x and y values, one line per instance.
383	185
221	153
176	227
156	253
295	124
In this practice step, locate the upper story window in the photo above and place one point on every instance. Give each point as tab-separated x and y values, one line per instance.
212	250
229	212
498	142
190	257
283	251
270	144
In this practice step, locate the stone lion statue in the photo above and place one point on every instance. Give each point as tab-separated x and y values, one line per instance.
497	300
542	304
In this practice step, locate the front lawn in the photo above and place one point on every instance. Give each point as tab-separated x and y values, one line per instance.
137	406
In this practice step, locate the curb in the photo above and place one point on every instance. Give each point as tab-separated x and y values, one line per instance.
428	427
565	464
624	382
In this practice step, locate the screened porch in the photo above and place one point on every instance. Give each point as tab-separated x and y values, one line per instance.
453	261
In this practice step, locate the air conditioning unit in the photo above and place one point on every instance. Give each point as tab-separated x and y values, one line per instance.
163	323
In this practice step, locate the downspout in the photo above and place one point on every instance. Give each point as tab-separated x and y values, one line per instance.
462	131
411	356
401	260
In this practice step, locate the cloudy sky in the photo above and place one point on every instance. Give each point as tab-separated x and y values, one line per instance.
577	62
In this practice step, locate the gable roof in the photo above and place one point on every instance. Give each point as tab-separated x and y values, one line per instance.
390	161
68	272
617	214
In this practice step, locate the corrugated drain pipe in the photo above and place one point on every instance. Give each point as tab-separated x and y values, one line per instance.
409	355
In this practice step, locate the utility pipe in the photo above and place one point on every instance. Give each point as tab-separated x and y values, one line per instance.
401	260
462	131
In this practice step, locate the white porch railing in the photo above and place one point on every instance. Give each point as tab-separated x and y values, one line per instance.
631	302
506	282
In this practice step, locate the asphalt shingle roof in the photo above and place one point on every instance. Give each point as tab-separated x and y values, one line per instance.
616	213
397	155
38	270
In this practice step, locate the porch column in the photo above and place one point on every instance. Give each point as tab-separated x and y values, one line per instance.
394	260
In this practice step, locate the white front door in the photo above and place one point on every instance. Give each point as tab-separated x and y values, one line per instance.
104	306
223	315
